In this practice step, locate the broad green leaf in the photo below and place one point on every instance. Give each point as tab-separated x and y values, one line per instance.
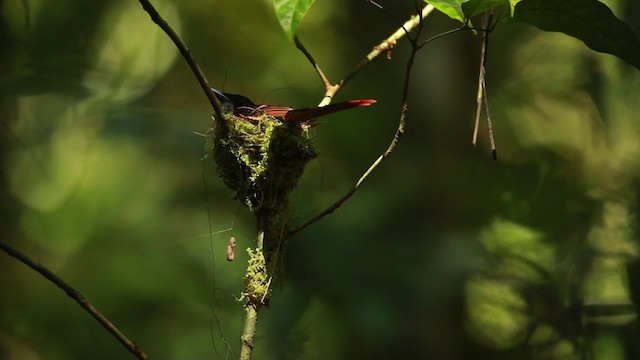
588	20
475	7
290	13
451	8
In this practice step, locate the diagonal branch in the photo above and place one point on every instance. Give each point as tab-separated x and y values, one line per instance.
79	298
323	78
184	50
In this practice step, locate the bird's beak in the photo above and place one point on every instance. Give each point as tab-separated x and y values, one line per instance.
221	96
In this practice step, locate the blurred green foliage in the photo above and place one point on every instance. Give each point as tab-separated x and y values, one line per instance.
442	254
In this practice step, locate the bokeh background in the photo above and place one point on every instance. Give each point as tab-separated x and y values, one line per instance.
442	254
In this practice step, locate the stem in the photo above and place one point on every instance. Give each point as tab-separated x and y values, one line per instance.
411	24
253	305
249	331
257	280
480	93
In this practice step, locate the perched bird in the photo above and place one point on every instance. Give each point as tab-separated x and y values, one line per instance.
244	108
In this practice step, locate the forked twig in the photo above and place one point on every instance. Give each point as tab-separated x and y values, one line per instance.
479	95
482	96
383	47
399	131
79	298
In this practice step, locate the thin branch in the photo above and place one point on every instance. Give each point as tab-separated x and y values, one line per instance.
482	96
480	92
386	45
492	141
383	47
182	47
448	32
396	137
413	23
249	331
323	78
390	14
79	298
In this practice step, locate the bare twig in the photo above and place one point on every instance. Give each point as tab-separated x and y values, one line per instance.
482	96
492	141
323	78
79	298
449	32
479	95
385	45
396	137
182	47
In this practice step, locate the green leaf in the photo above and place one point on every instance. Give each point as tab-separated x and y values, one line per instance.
451	8
475	7
290	13
464	9
588	20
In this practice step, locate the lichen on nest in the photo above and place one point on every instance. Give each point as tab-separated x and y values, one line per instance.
260	160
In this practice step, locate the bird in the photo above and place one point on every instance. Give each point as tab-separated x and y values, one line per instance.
241	107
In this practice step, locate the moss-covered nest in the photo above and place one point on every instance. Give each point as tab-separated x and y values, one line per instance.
260	160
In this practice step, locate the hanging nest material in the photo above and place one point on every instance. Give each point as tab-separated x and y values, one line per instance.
256	280
260	160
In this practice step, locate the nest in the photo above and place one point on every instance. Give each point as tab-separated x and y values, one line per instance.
260	160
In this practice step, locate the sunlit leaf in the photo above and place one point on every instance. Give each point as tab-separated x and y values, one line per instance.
290	13
463	10
451	8
475	7
588	20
